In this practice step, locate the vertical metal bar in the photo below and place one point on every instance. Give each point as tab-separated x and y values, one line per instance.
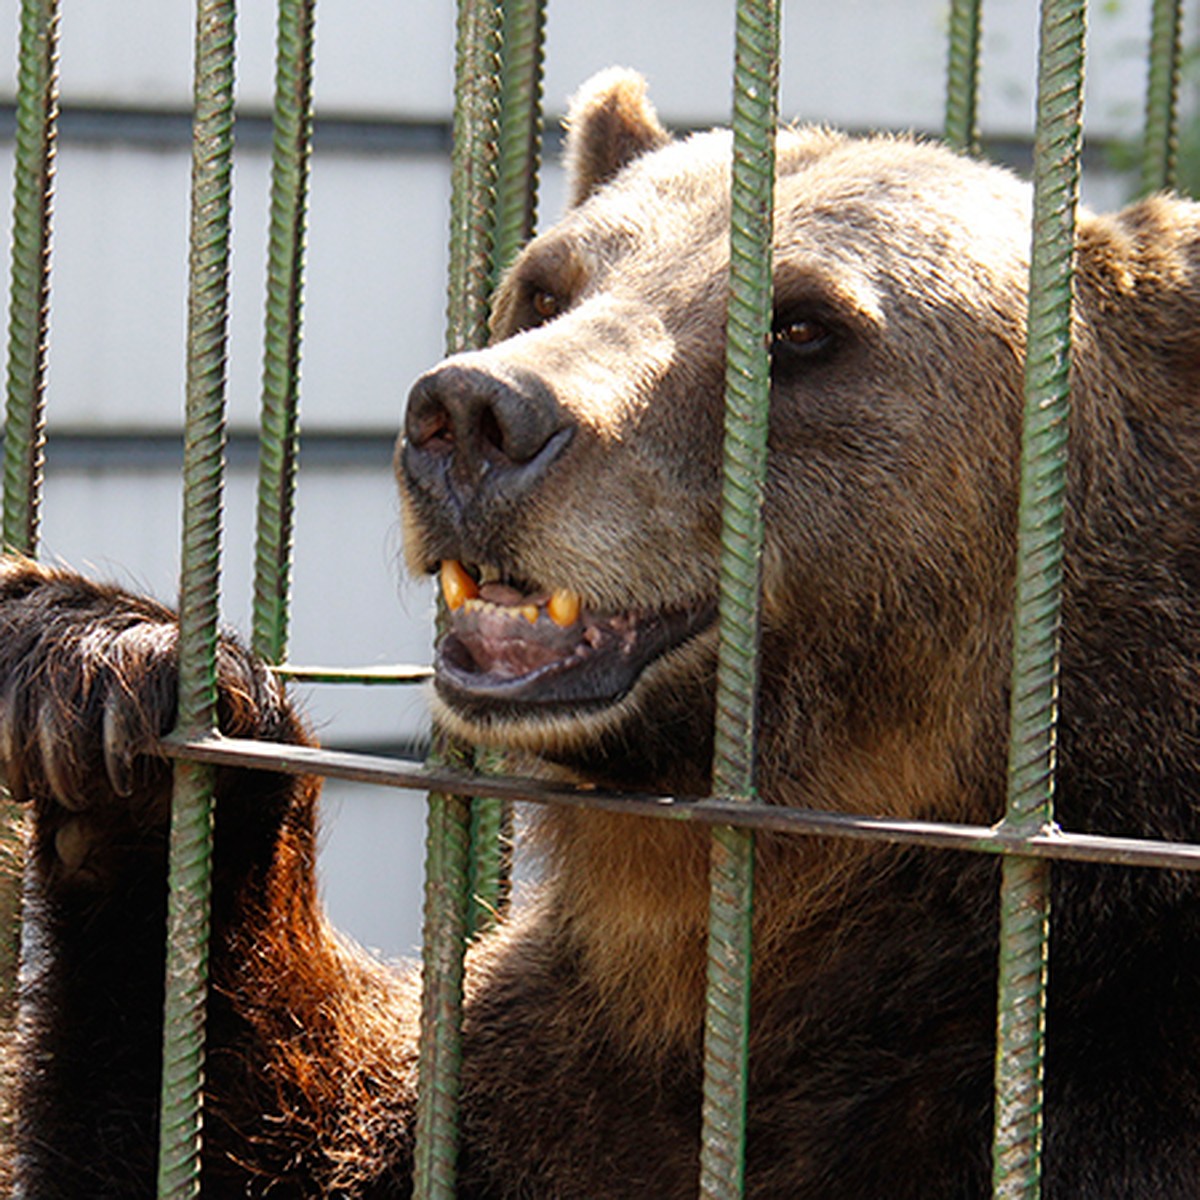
1160	138
747	382
520	137
447	853
473	180
962	76
474	173
37	119
520	126
24	431
279	437
191	813
489	873
1025	890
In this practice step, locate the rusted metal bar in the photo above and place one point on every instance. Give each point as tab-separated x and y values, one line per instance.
705	810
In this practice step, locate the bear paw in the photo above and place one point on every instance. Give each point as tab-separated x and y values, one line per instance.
88	685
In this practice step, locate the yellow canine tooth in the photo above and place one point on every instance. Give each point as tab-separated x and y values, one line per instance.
457	586
564	607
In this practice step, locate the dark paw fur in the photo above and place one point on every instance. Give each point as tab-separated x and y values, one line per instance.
88	681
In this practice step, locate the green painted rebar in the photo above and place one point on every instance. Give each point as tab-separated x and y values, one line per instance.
24	438
962	76
1160	139
748	386
1025	890
448	853
515	214
37	117
490	868
520	127
473	173
191	812
279	437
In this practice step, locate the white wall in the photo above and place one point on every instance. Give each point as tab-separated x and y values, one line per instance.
374	315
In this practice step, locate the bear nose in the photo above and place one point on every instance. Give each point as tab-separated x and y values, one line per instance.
486	436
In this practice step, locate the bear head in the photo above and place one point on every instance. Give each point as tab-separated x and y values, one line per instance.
566	480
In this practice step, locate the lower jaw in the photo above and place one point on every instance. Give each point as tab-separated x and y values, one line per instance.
525	723
573	687
521	698
657	736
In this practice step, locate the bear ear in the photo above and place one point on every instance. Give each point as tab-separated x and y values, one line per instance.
610	122
1137	278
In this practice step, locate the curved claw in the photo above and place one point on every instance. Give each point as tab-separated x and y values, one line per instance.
56	760
120	743
10	759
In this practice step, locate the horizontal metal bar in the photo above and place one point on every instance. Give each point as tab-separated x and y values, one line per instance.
399	673
400	773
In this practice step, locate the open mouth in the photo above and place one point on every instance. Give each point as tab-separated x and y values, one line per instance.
510	645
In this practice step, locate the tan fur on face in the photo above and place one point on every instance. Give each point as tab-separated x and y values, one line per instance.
631	520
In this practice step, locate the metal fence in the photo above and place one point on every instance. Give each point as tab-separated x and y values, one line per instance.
497	133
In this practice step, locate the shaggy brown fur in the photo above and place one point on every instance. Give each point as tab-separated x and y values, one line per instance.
569	476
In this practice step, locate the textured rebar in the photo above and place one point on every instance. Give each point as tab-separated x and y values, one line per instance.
472	227
447	851
191	813
29	303
24	438
279	428
962	76
520	127
727	1013
490	874
747	394
1160	139
1025	890
473	169
515	213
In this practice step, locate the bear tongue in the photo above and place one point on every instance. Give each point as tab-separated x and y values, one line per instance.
505	594
502	641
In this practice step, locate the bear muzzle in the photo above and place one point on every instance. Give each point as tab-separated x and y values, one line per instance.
476	442
481	438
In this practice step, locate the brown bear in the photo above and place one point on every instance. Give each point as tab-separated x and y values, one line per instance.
565	483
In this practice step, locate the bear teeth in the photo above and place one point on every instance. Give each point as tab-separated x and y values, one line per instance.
457	585
461	589
564	607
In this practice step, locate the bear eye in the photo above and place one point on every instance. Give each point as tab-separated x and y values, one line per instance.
544	304
799	338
